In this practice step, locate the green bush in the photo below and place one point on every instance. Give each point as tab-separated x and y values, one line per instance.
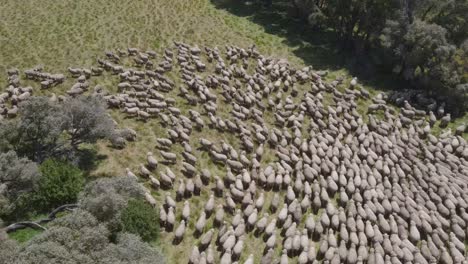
60	184
141	219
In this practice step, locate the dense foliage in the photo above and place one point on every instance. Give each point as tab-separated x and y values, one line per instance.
105	198
423	41
53	129
18	178
140	218
87	120
36	134
50	133
99	231
8	247
79	238
61	182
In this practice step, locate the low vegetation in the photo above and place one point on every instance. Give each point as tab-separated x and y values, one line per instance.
19	178
79	238
80	224
141	219
60	184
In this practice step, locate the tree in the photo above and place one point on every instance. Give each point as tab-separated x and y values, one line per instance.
141	219
80	238
418	48
427	47
453	15
130	249
106	198
61	182
86	120
354	21
415	39
48	129
18	178
36	134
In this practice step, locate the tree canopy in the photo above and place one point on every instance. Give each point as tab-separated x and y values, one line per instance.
18	178
422	41
55	129
80	238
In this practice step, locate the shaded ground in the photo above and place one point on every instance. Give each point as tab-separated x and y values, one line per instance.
320	49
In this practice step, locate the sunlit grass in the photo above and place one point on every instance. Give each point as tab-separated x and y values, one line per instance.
24	235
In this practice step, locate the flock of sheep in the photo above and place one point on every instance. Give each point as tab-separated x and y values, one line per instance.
309	178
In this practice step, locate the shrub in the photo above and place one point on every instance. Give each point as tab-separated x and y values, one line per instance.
105	198
130	249
140	218
73	238
60	184
80	238
8	249
18	178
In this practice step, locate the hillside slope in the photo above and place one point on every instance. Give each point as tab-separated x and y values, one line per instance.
76	33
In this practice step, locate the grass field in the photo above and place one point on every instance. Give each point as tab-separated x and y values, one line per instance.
70	33
24	235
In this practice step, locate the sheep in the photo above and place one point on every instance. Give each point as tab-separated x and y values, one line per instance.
143	115
151	161
186	211
131	111
169	157
165	180
118	142
128	133
206	144
398	184
444	121
144	171
154	182
188	169
205	240
150	199
189	158
209	206
201	222
164	143
13	112
179	232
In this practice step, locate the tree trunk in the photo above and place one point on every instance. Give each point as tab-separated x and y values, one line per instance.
38	224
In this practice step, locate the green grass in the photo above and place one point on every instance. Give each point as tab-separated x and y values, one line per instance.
74	33
24	235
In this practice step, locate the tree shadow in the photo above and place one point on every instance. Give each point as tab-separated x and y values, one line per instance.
321	49
89	159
